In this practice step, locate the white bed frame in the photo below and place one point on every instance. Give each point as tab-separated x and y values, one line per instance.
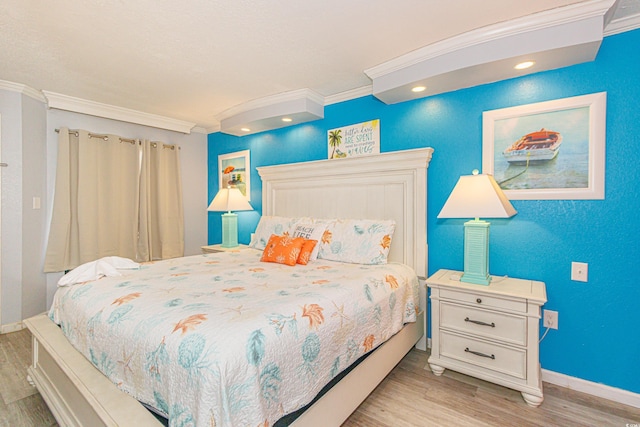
384	186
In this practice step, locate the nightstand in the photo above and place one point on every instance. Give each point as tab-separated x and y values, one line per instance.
210	249
488	332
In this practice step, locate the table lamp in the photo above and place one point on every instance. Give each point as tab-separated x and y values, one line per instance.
476	196
229	199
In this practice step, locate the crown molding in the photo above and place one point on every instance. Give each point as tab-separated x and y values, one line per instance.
23	89
622	25
551	39
348	95
270	100
279	99
266	113
214	128
200	129
514	27
92	108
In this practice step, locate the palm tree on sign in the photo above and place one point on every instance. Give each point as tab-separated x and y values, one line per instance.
335	139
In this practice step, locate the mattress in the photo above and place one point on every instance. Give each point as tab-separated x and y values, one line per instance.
226	340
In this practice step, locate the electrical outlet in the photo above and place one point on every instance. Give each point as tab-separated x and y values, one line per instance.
550	319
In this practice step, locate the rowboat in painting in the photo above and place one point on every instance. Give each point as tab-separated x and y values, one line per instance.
542	145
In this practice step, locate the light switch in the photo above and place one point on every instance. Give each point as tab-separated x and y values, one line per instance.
579	271
36	203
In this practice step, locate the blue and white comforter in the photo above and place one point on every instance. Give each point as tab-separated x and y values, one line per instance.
225	340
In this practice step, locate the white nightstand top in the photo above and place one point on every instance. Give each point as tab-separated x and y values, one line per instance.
219	248
519	288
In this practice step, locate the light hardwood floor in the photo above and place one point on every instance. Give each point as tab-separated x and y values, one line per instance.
410	396
20	403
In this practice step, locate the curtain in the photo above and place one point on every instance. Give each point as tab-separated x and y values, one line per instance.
161	210
114	196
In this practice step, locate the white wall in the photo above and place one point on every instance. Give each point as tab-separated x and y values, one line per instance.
11	114
34	221
29	147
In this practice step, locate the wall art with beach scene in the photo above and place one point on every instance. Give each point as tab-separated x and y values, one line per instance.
234	170
362	139
547	150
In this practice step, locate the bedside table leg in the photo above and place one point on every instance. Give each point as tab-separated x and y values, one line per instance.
532	400
437	370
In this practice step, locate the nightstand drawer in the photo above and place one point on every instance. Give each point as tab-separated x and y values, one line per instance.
497	358
484	300
489	324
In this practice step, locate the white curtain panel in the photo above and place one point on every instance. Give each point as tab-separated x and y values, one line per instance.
161	208
113	197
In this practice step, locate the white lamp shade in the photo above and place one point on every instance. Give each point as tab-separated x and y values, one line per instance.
477	196
229	199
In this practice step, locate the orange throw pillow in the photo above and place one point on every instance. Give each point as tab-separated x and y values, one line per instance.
283	249
306	251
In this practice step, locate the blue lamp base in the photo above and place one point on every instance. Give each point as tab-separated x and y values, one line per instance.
476	253
229	230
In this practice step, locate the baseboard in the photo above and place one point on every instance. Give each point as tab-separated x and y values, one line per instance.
11	327
595	389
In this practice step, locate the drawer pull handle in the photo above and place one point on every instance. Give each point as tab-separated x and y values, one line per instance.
478	300
477	353
478	322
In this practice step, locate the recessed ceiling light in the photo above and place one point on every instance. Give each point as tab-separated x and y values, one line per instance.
524	65
287	119
419	89
245	129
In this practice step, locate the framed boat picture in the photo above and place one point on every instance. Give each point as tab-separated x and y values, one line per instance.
548	150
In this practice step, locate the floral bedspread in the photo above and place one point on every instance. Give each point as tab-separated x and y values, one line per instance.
225	340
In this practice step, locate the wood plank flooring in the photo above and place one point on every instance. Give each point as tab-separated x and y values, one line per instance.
410	396
20	403
413	396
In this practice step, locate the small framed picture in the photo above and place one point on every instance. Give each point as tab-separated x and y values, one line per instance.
234	169
362	139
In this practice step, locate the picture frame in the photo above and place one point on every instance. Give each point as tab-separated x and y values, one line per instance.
361	139
553	150
234	169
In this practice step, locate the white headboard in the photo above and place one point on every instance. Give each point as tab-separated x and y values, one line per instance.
382	186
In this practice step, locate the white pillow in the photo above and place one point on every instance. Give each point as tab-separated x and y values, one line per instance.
310	231
357	241
269	225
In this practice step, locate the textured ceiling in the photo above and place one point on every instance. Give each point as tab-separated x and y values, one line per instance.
193	60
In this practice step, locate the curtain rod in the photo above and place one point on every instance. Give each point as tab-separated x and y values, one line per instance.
103	137
131	141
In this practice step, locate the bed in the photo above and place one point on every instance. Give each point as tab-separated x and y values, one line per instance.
390	186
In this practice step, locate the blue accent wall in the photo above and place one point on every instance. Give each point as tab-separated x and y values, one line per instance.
598	338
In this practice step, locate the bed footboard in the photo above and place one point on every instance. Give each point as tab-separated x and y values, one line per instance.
75	391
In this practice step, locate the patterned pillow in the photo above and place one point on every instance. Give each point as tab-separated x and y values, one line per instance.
269	225
308	248
357	241
283	249
310	231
